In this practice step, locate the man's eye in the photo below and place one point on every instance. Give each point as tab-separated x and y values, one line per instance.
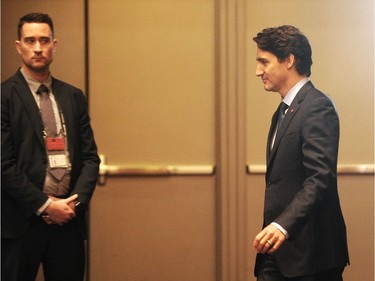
44	41
30	40
262	61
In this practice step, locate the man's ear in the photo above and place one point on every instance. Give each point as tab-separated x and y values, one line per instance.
54	42
290	60
17	44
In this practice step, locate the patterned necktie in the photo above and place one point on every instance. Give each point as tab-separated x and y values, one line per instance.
46	110
50	127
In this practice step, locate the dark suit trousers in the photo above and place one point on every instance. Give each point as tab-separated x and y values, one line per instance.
59	248
269	271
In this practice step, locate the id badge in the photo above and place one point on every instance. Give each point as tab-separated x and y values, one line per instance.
55	143
58	161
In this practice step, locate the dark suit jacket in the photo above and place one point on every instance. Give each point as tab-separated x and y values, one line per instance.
23	153
301	186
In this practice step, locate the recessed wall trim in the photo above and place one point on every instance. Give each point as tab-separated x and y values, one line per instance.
342	169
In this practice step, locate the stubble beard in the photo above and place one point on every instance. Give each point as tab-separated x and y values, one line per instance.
39	68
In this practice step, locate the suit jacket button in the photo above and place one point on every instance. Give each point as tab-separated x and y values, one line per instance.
268	184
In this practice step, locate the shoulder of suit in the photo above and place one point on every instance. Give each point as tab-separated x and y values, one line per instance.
14	78
14	81
56	83
310	92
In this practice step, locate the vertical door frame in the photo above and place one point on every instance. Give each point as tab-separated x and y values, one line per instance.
87	91
232	242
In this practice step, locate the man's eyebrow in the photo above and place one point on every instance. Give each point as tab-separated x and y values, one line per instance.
41	37
260	59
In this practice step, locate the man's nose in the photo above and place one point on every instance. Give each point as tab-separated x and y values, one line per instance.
38	47
259	71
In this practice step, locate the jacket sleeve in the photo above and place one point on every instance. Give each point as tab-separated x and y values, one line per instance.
17	186
85	152
319	149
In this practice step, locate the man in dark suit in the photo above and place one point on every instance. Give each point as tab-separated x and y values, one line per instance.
48	176
304	233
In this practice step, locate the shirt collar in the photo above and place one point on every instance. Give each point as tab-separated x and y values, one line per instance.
34	84
294	91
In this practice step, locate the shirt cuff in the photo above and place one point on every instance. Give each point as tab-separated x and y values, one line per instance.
282	229
45	205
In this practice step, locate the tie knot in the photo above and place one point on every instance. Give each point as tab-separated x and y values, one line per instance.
42	89
283	107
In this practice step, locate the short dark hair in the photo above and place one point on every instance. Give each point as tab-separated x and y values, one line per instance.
35	17
285	40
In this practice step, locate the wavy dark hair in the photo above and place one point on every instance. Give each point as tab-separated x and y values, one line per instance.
34	17
285	40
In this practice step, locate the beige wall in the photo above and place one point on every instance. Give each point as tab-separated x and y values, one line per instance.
157	59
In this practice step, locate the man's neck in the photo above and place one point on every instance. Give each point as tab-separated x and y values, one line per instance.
290	84
38	76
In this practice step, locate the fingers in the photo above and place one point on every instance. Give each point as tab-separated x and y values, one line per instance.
265	245
47	219
71	199
271	246
60	211
268	240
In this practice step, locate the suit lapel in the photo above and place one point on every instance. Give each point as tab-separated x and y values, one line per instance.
270	134
31	108
292	111
65	106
